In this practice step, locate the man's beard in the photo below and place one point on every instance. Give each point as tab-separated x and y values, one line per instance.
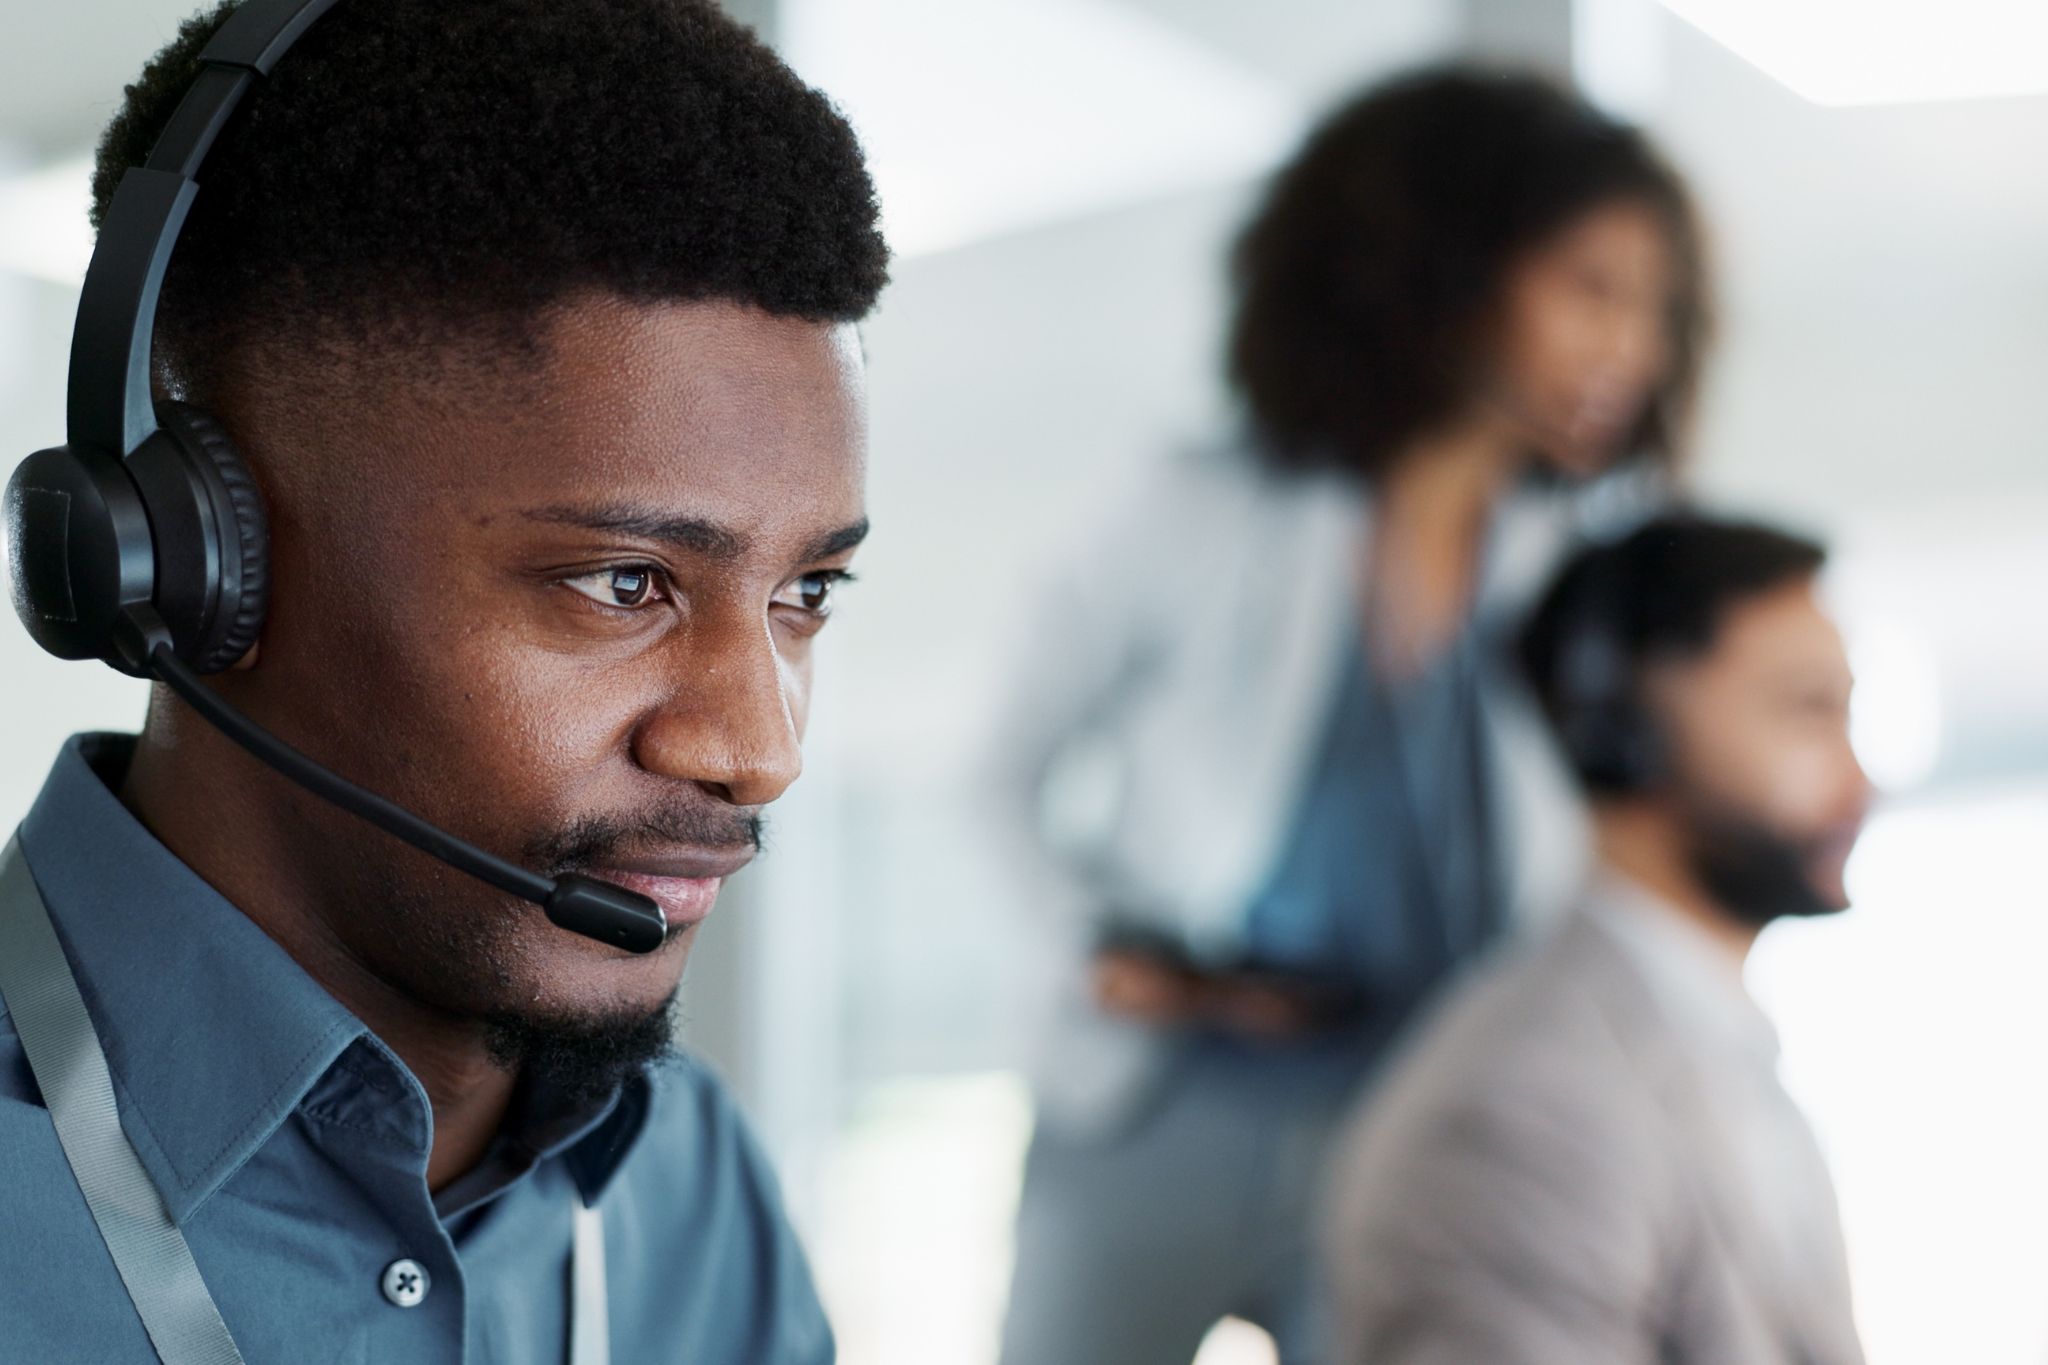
583	1056
581	1060
1755	874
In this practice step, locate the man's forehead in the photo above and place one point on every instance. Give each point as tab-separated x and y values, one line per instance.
703	349
1758	633
709	411
664	406
1785	633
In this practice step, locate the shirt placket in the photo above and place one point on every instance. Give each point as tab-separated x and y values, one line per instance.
374	1124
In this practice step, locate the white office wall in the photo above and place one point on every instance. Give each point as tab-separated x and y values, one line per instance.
1885	327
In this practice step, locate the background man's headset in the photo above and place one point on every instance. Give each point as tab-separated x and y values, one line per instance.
142	540
1609	738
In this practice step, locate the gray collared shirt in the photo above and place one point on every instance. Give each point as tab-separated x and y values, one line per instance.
290	1145
1698	983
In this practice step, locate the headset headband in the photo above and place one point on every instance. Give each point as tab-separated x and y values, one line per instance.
108	405
137	540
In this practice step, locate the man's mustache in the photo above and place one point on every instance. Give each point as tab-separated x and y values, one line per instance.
598	840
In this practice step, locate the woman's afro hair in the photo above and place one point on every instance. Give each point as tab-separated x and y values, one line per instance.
411	170
1366	280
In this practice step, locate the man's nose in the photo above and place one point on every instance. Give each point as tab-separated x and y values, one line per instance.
1858	789
728	723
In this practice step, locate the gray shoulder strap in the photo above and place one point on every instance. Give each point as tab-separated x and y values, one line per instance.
589	1332
70	1067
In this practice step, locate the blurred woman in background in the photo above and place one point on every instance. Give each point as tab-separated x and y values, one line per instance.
1260	745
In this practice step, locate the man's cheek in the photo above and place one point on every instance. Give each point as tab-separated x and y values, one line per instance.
1719	760
1803	787
796	693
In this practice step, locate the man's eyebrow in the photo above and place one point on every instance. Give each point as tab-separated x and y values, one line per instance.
694	534
837	542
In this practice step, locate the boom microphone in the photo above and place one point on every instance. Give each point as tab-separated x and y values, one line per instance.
583	905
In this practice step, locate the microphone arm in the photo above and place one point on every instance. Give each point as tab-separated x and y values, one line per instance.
583	905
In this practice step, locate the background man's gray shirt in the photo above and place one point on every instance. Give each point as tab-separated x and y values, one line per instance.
1585	1157
290	1146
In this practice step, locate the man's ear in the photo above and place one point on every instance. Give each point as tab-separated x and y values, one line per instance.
248	659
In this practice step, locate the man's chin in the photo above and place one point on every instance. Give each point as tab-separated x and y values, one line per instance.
582	1057
1830	894
1827	867
1823	905
569	974
1756	875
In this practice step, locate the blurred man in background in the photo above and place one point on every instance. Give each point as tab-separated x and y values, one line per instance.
1586	1157
1469	298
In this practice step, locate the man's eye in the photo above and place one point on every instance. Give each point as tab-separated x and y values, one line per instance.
631	586
813	592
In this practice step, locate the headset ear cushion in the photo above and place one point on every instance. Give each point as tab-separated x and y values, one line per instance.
244	532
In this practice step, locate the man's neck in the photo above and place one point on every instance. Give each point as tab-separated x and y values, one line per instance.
218	828
1645	844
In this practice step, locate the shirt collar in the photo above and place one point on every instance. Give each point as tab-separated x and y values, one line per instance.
213	1033
1691	974
592	1137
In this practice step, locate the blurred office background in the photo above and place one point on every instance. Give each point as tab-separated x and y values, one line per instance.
1061	178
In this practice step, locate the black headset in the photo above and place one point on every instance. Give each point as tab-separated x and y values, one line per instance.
1609	738
142	541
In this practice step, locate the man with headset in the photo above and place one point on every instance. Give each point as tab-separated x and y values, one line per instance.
1585	1156
470	388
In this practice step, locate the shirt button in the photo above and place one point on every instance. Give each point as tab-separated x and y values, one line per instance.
405	1283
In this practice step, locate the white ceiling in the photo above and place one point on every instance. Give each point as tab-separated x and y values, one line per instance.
81	54
1057	108
1054	109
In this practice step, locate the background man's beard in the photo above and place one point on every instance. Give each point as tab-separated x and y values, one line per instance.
585	1059
1753	873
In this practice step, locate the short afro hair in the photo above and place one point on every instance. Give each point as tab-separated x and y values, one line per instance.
411	171
1658	595
1365	278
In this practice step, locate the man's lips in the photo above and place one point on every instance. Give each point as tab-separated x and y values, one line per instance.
1832	849
684	884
